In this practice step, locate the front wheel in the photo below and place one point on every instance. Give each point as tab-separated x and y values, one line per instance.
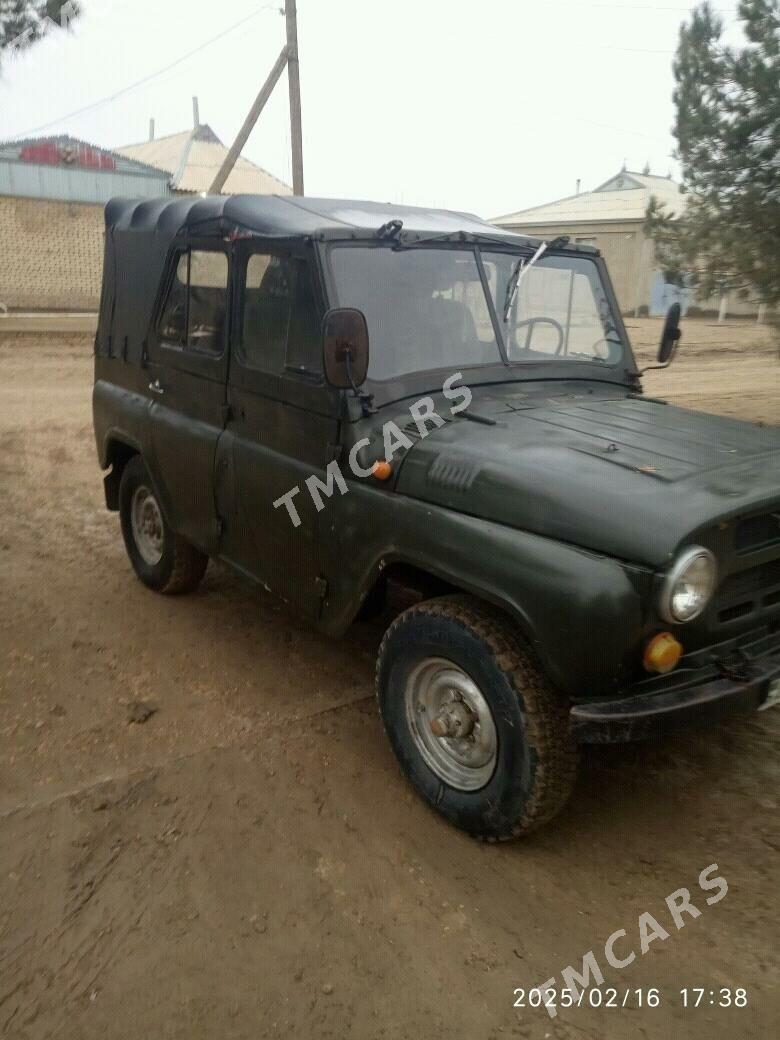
474	722
162	559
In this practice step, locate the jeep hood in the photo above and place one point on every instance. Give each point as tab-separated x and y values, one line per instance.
599	467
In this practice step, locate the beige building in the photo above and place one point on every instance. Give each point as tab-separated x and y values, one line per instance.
611	218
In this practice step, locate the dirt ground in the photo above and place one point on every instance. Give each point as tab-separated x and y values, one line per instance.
249	862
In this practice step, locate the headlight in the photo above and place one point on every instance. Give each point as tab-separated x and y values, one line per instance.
688	586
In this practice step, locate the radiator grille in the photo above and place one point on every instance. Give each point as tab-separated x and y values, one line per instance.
748	592
757	532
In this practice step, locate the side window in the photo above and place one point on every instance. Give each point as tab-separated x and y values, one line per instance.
193	315
304	347
267	298
280	328
173	321
208	295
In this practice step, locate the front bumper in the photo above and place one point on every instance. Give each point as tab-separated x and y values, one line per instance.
734	677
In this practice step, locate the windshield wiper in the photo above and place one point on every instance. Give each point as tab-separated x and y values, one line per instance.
520	268
461	238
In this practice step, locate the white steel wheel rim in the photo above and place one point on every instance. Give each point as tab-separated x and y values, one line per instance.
147	525
451	724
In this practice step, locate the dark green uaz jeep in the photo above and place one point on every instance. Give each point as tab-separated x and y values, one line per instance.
588	564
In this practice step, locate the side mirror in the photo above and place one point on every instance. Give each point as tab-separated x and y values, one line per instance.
345	347
670	336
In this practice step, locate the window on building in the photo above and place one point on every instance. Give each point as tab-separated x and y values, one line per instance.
193	315
280	327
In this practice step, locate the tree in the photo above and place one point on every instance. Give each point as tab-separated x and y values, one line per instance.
23	22
728	143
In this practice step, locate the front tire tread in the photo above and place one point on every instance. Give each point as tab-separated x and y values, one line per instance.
545	711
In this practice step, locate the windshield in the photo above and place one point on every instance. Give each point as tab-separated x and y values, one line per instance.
427	308
559	309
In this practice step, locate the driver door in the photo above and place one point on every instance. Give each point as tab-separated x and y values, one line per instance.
282	427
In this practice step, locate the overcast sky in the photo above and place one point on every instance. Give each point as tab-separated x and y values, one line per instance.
483	105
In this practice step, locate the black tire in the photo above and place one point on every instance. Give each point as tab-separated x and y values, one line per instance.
535	760
180	566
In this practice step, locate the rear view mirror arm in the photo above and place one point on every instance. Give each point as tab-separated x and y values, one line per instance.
656	368
366	400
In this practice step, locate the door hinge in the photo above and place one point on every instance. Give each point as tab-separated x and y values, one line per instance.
321	585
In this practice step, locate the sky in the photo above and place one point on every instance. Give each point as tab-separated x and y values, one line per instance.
488	106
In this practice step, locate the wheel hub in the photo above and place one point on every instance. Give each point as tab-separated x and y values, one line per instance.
451	724
147	525
455	720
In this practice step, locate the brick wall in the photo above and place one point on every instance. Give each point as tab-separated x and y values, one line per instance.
51	254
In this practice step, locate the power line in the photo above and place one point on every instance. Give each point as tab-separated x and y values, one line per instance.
630	8
146	79
633	50
620	129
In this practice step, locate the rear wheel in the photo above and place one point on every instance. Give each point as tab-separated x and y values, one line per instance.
476	725
162	559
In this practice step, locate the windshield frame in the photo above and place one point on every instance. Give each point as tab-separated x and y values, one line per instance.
624	371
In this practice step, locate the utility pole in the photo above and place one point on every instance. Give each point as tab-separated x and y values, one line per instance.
288	57
243	134
296	133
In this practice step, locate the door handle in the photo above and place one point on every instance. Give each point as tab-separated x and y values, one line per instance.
156	388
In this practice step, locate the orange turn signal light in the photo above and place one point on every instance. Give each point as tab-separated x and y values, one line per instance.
382	470
662	653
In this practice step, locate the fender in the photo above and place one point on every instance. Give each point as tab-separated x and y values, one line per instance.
581	611
121	417
119	414
460	580
117	451
112	479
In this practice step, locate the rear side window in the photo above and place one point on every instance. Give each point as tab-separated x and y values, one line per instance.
280	326
193	314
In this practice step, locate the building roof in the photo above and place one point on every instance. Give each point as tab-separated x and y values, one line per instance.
623	197
69	169
194	157
73	152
